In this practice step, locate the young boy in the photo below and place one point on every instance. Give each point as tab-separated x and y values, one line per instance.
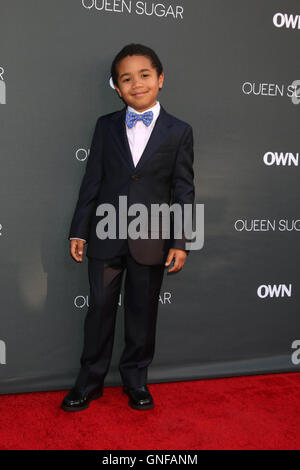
146	154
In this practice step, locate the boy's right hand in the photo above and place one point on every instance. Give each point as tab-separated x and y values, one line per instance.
76	249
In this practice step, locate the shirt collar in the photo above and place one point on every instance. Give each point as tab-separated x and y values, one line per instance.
155	109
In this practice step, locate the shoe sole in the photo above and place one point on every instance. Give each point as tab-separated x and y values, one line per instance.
81	408
139	407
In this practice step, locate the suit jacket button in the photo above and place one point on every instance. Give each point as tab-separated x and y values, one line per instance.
135	177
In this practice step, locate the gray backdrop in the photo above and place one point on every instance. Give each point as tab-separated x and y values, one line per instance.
229	66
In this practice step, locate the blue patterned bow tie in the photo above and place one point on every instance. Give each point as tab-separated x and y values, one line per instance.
132	118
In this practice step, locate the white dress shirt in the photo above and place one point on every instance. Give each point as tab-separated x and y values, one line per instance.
138	136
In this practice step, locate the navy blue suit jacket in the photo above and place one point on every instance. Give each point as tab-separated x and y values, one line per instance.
164	174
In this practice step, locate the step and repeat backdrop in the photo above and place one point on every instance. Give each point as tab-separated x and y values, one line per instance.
232	72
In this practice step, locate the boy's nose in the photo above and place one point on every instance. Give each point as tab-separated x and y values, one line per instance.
135	82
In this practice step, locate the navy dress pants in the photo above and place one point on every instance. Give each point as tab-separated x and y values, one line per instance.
141	297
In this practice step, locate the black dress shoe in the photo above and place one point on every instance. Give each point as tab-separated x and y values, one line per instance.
140	398
77	401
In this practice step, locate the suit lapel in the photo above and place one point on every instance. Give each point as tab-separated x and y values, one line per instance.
158	135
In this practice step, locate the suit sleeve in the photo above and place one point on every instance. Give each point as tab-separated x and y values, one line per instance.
183	182
89	189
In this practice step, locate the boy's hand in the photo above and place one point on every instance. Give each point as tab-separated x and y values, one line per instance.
180	257
76	249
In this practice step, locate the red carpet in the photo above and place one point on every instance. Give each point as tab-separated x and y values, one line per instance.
253	412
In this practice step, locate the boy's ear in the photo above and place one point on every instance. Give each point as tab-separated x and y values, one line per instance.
161	80
117	89
119	94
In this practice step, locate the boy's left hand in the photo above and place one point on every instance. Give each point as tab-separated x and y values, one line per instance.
180	257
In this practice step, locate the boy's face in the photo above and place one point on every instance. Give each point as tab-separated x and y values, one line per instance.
138	82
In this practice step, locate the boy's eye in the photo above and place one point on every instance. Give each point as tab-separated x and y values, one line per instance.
143	74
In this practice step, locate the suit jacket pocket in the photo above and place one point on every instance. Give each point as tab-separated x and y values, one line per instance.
169	149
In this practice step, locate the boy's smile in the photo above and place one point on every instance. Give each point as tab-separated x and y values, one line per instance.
138	82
